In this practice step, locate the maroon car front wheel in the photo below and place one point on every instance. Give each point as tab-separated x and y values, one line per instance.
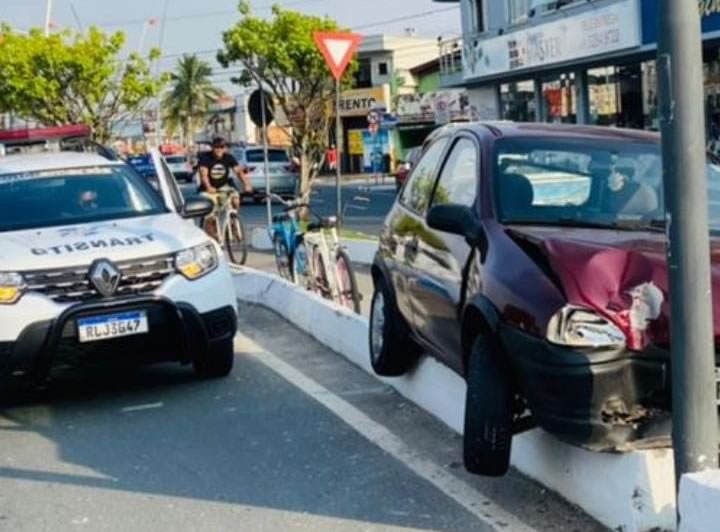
487	439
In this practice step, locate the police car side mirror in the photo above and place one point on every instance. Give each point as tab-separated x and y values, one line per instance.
197	208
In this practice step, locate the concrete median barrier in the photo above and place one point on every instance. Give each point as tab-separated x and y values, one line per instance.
632	492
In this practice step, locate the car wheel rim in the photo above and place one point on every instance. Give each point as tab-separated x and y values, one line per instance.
378	325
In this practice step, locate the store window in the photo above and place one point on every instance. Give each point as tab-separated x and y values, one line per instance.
651	116
616	96
479	15
560	99
518	101
517	11
546	6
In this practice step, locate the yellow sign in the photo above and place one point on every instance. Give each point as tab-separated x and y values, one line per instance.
356	146
360	102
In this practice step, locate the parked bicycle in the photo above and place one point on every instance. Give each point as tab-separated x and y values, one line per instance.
316	259
285	235
229	229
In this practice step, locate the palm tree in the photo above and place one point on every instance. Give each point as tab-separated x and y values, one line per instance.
190	97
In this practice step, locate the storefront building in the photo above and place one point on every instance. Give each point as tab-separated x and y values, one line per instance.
574	61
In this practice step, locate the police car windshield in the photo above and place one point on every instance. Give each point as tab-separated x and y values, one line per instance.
74	196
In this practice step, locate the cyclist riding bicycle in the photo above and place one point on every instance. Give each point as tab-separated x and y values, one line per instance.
216	182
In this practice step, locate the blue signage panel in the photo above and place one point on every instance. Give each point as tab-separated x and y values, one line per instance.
709	11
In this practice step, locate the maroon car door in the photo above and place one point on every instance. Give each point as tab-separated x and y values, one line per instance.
406	221
435	294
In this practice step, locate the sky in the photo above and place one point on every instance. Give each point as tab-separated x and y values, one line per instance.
197	25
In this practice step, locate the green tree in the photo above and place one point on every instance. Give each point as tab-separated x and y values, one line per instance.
191	94
280	52
72	78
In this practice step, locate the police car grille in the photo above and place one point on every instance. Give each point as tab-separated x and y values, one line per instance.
71	285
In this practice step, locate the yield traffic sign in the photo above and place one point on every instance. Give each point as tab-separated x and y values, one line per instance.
337	49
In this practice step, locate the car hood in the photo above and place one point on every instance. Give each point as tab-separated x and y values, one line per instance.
622	275
78	245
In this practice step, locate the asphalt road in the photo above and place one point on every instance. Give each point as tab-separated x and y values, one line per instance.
296	439
365	205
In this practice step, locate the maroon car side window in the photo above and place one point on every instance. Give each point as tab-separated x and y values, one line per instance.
417	192
459	177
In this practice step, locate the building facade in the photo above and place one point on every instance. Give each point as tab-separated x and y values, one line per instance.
573	61
385	73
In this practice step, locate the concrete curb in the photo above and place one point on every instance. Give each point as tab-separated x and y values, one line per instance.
700	502
361	251
631	492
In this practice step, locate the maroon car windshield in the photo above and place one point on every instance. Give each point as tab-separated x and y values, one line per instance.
587	182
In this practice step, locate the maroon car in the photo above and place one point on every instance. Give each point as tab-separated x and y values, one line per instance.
531	260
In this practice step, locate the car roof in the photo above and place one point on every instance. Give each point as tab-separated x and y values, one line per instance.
531	129
37	162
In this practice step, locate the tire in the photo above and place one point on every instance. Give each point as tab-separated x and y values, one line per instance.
300	266
236	241
282	258
487	439
392	352
347	282
320	283
217	362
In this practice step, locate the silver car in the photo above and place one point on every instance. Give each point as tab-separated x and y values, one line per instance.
283	174
180	167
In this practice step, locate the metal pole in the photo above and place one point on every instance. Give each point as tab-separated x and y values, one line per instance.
48	16
265	154
158	123
695	422
338	151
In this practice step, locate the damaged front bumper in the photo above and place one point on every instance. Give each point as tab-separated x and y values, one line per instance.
603	400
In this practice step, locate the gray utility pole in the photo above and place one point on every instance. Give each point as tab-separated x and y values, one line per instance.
48	17
695	422
266	163
338	152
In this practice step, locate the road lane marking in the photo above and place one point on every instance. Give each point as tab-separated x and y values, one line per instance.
140	408
489	513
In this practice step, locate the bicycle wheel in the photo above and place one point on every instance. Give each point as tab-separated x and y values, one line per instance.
236	241
348	292
321	284
301	266
282	257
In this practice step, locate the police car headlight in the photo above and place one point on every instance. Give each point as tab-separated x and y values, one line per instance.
197	262
579	327
11	288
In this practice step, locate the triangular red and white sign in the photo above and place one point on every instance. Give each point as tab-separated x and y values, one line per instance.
338	49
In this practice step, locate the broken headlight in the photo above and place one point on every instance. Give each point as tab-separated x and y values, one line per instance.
579	327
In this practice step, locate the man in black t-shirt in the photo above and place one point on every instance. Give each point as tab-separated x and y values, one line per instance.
215	174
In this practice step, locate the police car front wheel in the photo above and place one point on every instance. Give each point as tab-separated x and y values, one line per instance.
217	361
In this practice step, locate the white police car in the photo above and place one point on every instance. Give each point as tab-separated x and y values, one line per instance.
95	263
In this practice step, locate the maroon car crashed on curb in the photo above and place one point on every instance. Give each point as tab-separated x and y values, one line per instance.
531	260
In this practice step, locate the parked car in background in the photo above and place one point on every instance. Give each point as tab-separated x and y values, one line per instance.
180	167
284	175
405	167
531	260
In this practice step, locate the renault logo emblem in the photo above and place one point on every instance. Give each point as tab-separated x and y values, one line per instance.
105	277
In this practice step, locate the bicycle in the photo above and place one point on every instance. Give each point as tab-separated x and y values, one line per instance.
285	235
230	229
309	253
